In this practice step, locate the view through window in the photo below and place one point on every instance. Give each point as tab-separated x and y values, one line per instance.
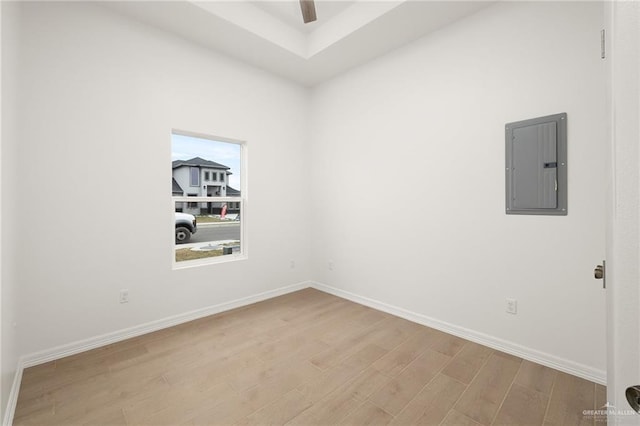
207	197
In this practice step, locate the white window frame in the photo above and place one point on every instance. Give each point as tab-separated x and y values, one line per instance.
242	200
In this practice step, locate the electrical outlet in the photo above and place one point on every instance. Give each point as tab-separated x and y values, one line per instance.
330	265
512	306
124	296
292	264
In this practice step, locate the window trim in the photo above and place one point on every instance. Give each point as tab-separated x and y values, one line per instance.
242	202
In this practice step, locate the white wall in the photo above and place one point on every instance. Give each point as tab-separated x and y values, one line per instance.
99	95
434	238
9	352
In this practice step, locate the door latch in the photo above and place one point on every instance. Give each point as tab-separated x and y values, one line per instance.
600	274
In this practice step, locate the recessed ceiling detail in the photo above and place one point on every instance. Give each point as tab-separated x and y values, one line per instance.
271	34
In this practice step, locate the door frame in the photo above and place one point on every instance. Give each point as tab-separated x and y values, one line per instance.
622	26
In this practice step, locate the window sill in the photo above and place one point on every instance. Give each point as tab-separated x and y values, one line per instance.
186	264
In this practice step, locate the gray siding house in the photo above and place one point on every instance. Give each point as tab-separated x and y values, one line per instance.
198	177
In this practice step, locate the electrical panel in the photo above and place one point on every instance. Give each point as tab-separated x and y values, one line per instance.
536	166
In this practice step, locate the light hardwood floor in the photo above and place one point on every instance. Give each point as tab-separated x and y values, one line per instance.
306	358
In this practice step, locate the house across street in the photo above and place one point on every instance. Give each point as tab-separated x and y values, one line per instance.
198	177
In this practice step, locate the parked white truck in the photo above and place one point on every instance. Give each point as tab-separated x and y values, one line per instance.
185	227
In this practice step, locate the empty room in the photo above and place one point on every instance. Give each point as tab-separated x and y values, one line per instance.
381	212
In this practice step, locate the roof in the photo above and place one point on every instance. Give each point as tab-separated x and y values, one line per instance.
176	189
198	162
232	192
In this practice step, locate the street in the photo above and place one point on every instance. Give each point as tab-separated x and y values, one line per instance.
216	233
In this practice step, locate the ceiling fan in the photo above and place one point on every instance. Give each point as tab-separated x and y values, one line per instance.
308	11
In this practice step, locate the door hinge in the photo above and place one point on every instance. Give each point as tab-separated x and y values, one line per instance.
602	44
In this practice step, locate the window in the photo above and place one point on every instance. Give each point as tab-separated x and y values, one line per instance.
208	221
190	205
195	176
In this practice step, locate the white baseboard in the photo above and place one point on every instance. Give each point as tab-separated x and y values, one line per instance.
138	330
576	369
13	396
552	361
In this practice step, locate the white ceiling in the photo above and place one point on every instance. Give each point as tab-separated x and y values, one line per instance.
271	35
290	14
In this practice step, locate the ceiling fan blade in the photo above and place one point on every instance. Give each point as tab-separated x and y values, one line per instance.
308	11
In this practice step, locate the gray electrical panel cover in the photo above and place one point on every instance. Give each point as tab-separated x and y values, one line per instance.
536	166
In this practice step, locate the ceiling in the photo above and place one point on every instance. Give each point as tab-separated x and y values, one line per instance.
271	35
289	12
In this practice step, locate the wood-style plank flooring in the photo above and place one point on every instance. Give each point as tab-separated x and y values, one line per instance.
306	358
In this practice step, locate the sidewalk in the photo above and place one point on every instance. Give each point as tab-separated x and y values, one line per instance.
210	245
